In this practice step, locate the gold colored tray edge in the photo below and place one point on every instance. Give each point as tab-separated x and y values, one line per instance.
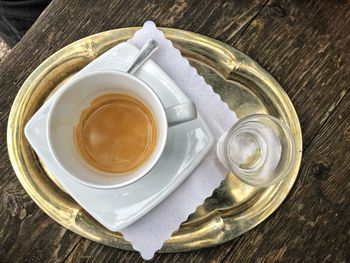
69	219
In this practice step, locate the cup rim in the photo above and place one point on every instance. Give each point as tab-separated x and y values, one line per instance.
142	173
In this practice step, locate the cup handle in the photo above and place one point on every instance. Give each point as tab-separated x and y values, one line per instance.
181	113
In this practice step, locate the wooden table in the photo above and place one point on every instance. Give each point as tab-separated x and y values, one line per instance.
304	44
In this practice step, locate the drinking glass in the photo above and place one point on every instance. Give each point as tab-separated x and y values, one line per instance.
259	149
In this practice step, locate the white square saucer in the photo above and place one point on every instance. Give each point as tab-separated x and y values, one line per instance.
186	146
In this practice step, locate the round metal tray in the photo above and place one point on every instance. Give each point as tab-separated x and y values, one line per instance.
234	207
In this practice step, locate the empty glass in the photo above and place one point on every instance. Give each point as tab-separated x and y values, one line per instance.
258	149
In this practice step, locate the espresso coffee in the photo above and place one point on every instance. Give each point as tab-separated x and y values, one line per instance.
116	134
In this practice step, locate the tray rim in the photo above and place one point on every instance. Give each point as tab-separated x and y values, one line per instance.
67	219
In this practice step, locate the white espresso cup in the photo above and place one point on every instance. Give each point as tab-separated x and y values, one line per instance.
77	95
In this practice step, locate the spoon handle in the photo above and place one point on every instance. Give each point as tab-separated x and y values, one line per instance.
146	51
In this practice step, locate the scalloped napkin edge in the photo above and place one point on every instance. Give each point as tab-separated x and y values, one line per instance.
148	234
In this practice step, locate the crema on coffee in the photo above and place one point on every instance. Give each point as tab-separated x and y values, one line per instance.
117	133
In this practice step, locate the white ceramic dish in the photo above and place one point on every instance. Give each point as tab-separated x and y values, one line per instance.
186	146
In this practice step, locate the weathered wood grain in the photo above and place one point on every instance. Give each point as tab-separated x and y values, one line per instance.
88	251
26	233
303	44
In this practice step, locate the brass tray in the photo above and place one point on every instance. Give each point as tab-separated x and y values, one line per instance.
234	207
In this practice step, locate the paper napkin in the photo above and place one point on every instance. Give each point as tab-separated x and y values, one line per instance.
148	234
